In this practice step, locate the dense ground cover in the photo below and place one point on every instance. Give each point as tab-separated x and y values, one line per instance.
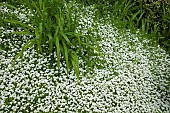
130	77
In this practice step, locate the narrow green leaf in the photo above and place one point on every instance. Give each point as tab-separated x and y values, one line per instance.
20	23
59	22
134	16
50	42
22	32
61	17
58	51
27	45
40	28
75	63
66	55
41	4
127	6
38	40
139	19
75	68
9	5
65	37
38	10
143	25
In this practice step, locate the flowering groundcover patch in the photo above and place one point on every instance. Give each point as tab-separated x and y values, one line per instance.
131	77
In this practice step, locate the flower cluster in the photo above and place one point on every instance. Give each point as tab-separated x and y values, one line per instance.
133	77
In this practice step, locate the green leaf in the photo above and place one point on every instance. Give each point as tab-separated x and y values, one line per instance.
59	23
9	5
58	50
65	37
27	45
22	32
38	10
61	17
50	42
38	40
20	23
75	63
66	55
40	28
41	4
143	25
134	16
127	7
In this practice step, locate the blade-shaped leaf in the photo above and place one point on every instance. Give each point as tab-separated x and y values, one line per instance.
58	51
65	37
38	40
143	25
59	22
66	55
27	45
41	4
22	32
134	16
38	10
20	23
75	63
40	28
50	42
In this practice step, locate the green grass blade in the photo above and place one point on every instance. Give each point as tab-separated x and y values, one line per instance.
61	17
66	55
59	23
75	63
20	23
50	42
26	46
40	28
8	5
139	19
38	10
22	32
127	7
38	40
41	4
134	16
58	50
143	25
65	37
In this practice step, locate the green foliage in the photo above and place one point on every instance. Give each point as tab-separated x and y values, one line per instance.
150	16
52	23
